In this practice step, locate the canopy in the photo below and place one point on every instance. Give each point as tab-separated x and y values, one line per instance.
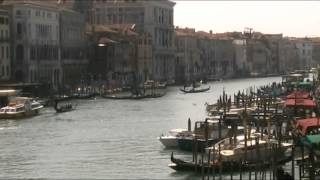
304	124
306	103
298	95
312	142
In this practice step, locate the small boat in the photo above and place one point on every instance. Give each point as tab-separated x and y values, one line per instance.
171	140
187	144
20	107
63	108
194	90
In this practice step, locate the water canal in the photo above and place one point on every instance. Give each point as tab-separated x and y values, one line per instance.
106	139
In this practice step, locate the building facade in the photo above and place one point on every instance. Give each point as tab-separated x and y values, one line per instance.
5	59
304	49
151	18
35	43
73	44
187	65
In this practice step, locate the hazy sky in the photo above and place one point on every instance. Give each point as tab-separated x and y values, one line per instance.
292	18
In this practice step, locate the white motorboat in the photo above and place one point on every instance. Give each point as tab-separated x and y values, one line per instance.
20	107
171	140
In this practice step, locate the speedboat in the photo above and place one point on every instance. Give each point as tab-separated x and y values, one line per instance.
171	140
20	107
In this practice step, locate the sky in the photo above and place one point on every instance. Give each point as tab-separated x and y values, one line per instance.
291	18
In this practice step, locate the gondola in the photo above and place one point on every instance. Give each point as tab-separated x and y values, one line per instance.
224	167
125	97
63	108
195	90
84	95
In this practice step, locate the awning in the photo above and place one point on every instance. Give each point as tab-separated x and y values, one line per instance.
298	95
307	103
304	124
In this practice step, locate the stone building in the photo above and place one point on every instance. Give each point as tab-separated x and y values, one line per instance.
117	52
291	58
304	48
73	44
315	51
35	42
201	55
151	18
5	59
274	43
240	50
187	65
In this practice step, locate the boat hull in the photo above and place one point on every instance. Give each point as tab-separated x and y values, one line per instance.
224	167
18	115
169	142
187	144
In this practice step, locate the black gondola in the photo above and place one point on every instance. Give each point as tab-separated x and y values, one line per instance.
63	108
180	165
125	97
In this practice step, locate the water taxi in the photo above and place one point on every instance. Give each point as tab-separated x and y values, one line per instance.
20	107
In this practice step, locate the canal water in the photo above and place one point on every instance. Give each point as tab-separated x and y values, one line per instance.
106	139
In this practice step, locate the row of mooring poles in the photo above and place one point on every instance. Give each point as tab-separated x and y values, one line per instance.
241	169
261	101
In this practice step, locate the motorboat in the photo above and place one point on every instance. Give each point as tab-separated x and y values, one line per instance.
254	148
20	107
187	144
171	140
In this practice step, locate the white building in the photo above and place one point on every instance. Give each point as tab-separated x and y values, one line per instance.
304	48
35	45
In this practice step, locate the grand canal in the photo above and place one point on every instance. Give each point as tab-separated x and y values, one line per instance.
106	139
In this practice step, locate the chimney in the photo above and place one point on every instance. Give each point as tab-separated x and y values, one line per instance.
210	31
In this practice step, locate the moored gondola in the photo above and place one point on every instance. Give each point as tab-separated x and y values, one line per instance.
224	166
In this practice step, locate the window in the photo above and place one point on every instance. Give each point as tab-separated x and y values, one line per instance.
8	70
37	13
7	52
2	52
19	53
18	13
19	28
1	20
